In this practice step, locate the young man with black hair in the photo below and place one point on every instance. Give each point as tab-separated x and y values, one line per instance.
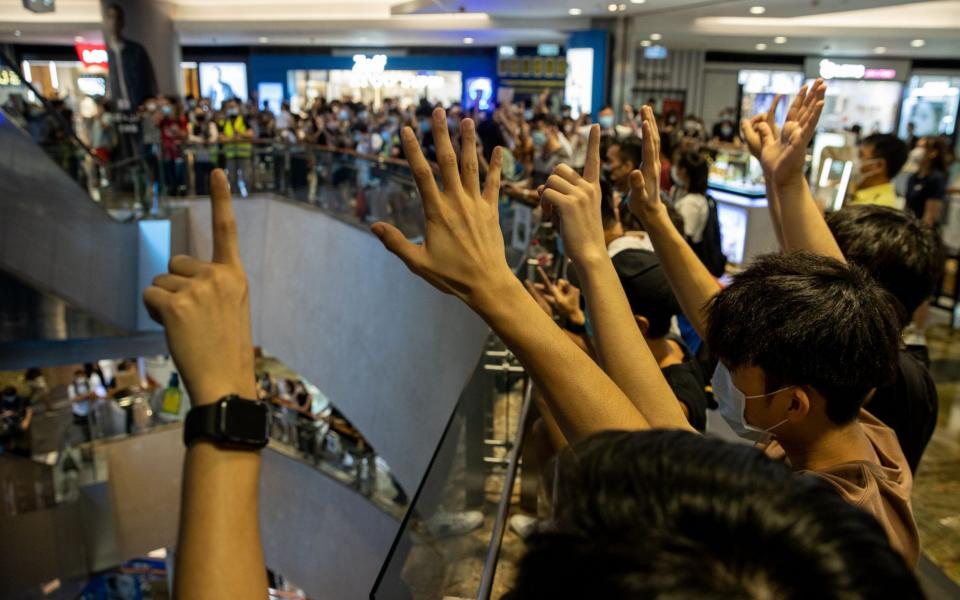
902	255
880	158
642	526
906	259
802	340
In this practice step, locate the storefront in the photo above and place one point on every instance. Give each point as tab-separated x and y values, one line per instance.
370	81
370	77
931	104
72	81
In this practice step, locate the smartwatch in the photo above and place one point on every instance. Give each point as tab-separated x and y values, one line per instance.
230	422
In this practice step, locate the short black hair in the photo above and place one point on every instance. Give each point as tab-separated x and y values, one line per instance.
695	164
806	319
673	514
115	6
890	148
647	288
631	149
904	257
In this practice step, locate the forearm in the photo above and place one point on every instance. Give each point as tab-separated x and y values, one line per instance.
693	286
582	398
219	554
621	349
773	204
804	227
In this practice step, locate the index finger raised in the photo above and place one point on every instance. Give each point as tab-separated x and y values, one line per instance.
226	248
591	169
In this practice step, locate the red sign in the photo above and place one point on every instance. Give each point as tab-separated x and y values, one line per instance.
92	55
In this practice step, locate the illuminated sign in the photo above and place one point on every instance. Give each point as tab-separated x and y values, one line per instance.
371	72
655	53
9	78
92	55
374	64
480	91
832	70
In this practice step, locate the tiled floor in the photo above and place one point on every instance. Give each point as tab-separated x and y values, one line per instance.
936	497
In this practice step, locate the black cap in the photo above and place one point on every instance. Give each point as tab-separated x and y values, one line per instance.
647	288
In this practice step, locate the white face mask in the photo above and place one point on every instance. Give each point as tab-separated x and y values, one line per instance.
733	406
859	168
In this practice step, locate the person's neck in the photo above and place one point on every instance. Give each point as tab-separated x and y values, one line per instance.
664	352
829	447
874	181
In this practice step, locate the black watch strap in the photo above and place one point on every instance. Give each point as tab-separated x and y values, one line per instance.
231	422
201	423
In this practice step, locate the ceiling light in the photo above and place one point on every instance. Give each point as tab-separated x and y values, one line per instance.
612	7
637	1
761	46
646	43
263	39
656	36
78	38
779	40
468	40
622	7
757	10
880	50
918	43
17	33
575	12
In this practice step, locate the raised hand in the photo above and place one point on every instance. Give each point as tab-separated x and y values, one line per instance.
645	183
563	296
748	127
204	309
463	253
782	156
574	202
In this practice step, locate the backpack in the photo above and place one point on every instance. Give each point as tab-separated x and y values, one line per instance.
710	248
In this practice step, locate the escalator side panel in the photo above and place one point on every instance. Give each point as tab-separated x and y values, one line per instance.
54	236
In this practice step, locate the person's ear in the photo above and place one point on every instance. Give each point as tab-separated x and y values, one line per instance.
882	164
643	323
799	405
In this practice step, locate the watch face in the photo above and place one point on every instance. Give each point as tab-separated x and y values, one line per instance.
243	422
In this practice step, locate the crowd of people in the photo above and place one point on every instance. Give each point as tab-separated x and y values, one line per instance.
802	354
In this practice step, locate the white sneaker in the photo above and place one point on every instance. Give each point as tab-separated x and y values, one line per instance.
446	524
524	525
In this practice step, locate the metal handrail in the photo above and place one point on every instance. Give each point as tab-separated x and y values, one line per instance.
503	506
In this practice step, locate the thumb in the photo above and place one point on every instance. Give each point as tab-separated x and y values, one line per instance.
394	241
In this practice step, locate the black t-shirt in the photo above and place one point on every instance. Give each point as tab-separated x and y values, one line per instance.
909	406
689	385
921	189
686	382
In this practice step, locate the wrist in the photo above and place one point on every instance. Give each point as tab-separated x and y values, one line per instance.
489	295
210	392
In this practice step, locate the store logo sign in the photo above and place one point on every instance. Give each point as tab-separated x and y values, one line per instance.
92	55
372	64
832	70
